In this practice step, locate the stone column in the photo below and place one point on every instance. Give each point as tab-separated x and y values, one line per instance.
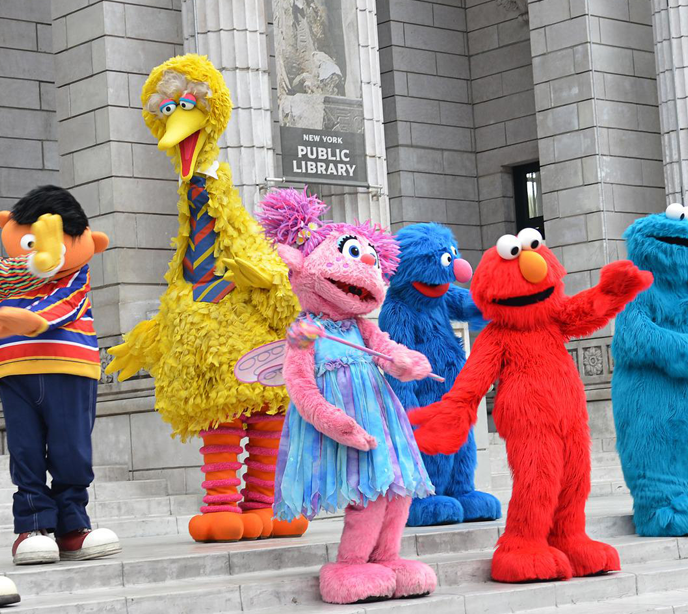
234	37
103	52
237	37
670	21
600	150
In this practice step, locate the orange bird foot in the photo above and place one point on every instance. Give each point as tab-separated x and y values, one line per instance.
530	562
588	557
278	528
224	527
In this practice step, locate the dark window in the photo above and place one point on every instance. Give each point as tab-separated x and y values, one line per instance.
528	197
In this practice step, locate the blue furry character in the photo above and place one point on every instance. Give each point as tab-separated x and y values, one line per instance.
420	305
650	381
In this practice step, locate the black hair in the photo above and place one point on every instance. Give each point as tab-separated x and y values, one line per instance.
51	199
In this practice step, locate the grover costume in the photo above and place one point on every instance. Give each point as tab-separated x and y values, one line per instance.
420	305
650	381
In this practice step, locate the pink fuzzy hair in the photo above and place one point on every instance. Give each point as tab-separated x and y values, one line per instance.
283	213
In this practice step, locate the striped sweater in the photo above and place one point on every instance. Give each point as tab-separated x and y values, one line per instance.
68	342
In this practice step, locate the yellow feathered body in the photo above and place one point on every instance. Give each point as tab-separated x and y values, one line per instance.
191	347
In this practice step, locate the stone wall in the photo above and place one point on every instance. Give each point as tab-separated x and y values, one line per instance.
598	123
428	117
28	147
503	108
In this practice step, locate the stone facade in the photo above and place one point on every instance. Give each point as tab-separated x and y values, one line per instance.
28	129
456	93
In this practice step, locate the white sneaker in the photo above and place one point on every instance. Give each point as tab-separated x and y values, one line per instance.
86	544
33	548
8	592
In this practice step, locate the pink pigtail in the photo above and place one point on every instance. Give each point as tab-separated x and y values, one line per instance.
292	218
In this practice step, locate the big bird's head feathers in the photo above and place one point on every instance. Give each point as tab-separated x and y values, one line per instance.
195	75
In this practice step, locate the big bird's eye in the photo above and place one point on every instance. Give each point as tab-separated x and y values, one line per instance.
168	106
676	211
446	259
27	242
509	247
530	238
187	101
350	246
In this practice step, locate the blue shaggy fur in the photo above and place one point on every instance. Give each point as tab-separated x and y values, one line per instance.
424	324
650	381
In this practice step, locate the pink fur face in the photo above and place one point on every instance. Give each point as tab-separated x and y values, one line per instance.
340	278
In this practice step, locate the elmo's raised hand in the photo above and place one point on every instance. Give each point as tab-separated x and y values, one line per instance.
623	279
443	427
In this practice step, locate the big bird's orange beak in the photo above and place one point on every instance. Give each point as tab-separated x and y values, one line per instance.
184	130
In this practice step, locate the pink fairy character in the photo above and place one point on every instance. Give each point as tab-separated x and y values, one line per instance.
346	440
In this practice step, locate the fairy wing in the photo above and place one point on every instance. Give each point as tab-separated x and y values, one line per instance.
262	365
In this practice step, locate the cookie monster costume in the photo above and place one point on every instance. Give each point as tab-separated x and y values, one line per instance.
650	381
420	305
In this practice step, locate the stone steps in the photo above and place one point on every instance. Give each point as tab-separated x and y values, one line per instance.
177	576
132	508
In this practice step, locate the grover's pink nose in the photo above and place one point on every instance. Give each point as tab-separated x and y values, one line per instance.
462	270
368	259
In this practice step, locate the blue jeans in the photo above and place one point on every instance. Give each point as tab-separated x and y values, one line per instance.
49	420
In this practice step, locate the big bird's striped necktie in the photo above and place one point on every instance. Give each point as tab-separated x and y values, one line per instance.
199	261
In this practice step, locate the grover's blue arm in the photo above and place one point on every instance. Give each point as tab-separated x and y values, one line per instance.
397	320
639	342
461	308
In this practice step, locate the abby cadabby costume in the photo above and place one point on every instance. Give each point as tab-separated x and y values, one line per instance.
347	442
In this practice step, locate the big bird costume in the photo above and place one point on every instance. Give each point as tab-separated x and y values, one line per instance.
228	292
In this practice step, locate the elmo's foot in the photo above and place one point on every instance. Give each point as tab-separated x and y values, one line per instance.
224	527
278	528
529	562
587	557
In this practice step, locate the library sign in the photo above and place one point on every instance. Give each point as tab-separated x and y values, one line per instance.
322	156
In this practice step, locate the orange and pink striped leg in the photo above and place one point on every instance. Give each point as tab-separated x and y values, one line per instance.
221	518
264	436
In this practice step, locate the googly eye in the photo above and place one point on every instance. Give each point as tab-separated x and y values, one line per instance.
530	238
676	211
27	242
509	247
454	251
446	259
351	247
168	106
187	101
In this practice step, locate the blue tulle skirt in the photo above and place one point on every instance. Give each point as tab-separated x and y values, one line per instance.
314	472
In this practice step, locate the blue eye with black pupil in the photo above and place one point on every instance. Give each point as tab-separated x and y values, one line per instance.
354	251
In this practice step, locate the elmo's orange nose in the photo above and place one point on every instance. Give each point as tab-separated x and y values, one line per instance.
533	266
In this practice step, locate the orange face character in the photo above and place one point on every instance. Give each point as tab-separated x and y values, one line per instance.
19	241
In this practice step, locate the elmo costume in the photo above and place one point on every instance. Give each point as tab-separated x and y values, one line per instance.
540	407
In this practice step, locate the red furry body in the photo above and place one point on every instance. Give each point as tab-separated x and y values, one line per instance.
540	407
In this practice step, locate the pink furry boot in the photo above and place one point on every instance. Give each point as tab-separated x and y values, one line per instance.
414	578
352	579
